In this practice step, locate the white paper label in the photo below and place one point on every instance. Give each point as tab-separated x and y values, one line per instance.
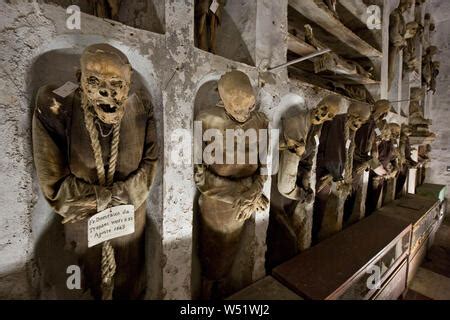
214	6
110	223
347	144
316	137
66	89
377	132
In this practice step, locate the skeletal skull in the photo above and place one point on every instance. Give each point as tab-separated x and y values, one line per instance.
381	109
385	131
237	95
411	29
357	114
105	81
395	130
406	130
326	110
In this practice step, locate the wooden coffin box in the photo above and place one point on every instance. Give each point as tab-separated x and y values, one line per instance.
424	214
345	265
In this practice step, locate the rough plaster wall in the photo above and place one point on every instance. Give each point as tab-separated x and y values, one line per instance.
440	110
143	14
236	35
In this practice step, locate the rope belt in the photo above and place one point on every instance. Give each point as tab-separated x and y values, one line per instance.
108	263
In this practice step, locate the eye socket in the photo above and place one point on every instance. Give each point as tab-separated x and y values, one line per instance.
117	84
92	80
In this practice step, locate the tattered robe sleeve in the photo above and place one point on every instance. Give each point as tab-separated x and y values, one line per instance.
223	188
65	193
136	187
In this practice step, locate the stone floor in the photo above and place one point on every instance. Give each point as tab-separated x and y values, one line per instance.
432	281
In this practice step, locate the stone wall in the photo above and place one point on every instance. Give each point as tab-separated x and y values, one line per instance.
440	106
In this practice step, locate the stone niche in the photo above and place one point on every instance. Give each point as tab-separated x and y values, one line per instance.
142	14
236	35
51	256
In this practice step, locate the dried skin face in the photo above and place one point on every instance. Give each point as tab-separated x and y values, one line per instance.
381	109
411	29
237	95
385	131
395	130
357	114
105	81
326	110
295	146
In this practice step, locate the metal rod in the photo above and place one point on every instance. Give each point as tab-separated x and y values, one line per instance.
401	100
309	56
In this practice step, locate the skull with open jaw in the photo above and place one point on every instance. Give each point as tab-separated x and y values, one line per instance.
358	113
105	82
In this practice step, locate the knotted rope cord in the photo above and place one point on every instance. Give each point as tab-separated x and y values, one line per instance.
349	135
108	263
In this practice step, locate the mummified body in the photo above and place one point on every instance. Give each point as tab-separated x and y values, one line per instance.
207	23
419	125
405	160
95	149
334	168
231	190
290	221
365	156
397	32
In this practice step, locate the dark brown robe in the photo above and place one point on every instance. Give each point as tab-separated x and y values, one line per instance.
68	178
364	138
331	157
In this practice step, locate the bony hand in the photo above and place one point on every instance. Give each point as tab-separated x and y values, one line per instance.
81	210
244	207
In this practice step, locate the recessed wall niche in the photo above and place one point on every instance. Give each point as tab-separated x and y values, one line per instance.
235	36
57	67
142	14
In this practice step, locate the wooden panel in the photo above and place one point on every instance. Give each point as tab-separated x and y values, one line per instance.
415	261
395	285
327	21
421	212
330	266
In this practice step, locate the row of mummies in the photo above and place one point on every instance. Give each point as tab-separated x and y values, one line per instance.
96	148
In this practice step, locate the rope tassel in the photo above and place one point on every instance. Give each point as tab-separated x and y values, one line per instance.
108	270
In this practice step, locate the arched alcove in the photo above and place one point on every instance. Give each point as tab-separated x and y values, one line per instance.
57	63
